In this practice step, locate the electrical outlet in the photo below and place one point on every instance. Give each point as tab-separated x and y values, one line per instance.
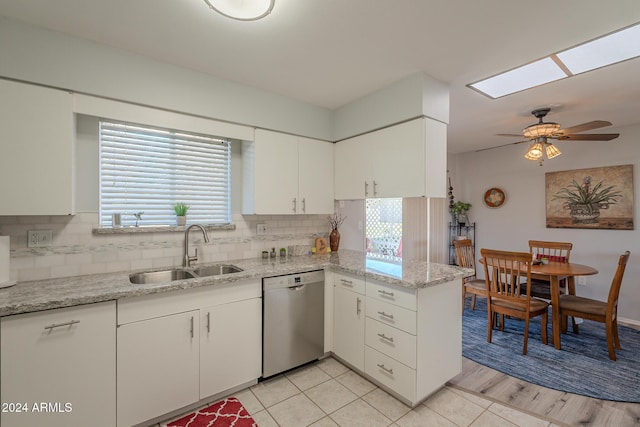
39	238
582	280
261	229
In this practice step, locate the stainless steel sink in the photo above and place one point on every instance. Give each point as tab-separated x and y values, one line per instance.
216	270
159	276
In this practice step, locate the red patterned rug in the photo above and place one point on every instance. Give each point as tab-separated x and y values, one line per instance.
226	413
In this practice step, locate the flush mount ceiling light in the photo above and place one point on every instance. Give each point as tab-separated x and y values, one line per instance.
242	10
607	50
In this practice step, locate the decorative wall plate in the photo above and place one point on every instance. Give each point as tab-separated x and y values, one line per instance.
494	198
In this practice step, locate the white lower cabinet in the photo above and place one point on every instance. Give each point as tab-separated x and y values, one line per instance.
348	319
158	368
412	337
178	348
57	367
230	339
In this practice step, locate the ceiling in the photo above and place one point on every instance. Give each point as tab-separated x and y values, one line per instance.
331	52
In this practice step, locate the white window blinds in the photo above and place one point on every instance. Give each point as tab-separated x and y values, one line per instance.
148	169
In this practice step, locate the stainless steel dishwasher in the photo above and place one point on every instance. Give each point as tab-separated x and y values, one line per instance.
292	321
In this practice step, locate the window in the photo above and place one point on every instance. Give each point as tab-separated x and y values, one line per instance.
384	229
148	169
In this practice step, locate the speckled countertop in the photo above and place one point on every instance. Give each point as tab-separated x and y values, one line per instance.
70	291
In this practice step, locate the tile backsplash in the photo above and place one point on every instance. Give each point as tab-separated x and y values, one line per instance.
76	250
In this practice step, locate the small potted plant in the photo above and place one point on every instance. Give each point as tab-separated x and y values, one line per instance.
181	213
459	211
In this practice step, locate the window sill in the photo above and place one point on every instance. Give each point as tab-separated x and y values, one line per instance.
158	229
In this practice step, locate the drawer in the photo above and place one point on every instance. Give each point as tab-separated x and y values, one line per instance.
391	341
351	282
393	315
404	297
391	373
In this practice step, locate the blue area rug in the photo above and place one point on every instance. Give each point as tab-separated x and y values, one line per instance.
581	367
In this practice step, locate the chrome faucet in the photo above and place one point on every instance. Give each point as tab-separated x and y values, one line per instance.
186	262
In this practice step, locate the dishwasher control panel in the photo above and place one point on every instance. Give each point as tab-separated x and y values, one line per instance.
293	279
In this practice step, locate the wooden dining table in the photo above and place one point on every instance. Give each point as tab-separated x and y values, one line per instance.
554	272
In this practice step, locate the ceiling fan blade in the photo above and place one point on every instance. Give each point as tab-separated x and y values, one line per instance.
500	146
596	124
588	137
518	135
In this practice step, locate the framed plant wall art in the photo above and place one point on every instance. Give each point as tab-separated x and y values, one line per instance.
599	198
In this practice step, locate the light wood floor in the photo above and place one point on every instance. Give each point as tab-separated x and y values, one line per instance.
561	408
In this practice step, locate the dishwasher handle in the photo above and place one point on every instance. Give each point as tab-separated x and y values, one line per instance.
296	288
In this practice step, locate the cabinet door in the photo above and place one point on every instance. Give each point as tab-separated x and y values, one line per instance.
157	366
351	168
348	327
36	166
315	180
64	358
230	345
276	173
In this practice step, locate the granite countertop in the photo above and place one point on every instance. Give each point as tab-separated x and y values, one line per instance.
40	295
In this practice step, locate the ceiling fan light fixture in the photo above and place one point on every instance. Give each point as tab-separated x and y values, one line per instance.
540	130
535	150
552	151
242	10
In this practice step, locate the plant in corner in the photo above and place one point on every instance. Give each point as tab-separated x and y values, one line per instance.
459	212
181	209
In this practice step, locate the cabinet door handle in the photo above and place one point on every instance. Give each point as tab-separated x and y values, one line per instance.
388	370
366	189
208	322
191	326
358	306
294	204
346	282
386	338
383	314
375	189
304	204
60	325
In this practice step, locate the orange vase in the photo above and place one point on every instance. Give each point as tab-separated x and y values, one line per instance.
334	240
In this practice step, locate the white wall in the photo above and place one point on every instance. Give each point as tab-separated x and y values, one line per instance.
522	217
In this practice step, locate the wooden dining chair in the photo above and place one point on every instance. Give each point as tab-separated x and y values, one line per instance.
470	284
553	251
599	311
506	273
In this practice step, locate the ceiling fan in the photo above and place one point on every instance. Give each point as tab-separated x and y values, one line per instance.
540	133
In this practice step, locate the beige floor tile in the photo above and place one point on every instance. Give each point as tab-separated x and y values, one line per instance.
518	418
489	419
330	395
307	377
249	401
324	422
421	416
264	419
274	390
331	366
356	383
480	401
297	411
389	406
359	414
453	407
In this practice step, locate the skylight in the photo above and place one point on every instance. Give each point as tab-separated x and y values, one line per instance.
607	50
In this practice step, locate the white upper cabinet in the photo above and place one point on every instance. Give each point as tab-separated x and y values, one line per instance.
406	160
36	166
286	174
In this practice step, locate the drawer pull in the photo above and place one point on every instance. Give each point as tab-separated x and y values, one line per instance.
383	314
385	293
384	337
388	370
346	282
60	325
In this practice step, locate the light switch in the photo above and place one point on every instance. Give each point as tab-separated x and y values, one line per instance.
261	229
